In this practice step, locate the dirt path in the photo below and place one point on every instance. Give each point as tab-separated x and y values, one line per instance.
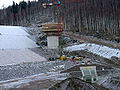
90	39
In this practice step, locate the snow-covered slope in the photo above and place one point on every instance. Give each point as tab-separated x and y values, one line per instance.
13	37
14	44
103	51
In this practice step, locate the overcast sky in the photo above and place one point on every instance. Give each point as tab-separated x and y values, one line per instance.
6	3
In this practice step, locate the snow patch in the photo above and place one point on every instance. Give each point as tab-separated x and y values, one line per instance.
60	67
100	50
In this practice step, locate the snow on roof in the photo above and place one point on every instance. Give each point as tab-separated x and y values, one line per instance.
103	51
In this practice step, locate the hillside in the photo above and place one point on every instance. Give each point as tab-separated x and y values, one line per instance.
98	18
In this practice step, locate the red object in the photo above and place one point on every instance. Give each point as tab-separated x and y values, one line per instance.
59	30
46	34
73	60
55	3
89	61
57	58
59	22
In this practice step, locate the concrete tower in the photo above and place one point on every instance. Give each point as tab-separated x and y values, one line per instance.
52	31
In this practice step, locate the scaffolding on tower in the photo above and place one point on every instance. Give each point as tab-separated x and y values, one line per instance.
57	5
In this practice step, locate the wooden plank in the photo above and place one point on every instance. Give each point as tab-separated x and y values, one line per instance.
51	24
50	30
51	27
52	34
47	28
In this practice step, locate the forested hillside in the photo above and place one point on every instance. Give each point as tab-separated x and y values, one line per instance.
99	18
20	14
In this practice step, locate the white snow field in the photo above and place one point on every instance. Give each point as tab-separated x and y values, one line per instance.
14	45
13	37
100	50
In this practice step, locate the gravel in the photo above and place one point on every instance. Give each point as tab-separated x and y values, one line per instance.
32	68
44	52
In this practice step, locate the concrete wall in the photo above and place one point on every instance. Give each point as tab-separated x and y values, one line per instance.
53	42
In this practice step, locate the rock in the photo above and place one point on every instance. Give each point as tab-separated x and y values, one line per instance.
66	40
32	68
